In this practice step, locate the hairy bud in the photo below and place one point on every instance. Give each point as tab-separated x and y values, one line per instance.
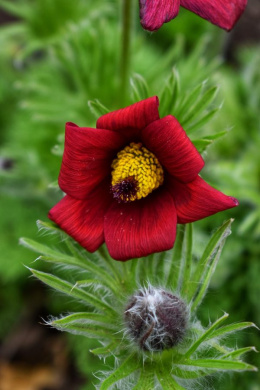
156	319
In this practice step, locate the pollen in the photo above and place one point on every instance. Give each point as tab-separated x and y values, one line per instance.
136	172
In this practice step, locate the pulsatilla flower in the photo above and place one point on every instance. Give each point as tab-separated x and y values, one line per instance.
223	13
130	181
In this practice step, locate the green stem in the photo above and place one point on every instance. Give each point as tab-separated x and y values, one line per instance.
127	12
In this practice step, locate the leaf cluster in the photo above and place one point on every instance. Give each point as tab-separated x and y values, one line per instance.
104	288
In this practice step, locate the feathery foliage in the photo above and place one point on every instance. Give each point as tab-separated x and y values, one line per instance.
103	287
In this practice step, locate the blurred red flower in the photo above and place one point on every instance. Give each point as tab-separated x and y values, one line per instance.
130	181
223	13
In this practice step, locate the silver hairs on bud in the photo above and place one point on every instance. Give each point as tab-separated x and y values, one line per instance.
156	319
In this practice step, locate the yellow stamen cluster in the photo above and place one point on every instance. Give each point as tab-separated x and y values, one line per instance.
137	163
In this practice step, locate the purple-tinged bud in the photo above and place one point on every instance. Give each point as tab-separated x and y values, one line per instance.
156	319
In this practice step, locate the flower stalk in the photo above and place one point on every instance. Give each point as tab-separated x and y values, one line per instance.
126	20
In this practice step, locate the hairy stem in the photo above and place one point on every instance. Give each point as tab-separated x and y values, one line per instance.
127	13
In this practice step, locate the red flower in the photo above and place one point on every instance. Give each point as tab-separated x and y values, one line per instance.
130	181
223	13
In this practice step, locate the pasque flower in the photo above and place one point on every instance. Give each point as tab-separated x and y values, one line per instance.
223	13
130	181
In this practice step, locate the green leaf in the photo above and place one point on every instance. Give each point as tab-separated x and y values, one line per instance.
12	30
68	288
48	226
54	185
110	263
91	282
166	380
188	374
203	286
205	335
44	249
145	381
202	144
130	365
51	227
170	94
189	100
133	268
172	280
97	108
249	221
81	316
158	270
204	265
73	249
88	324
231	328
200	105
68	260
15	8
57	257
198	124
105	350
185	268
217	135
239	352
220	364
88	330
140	88
202	289
141	270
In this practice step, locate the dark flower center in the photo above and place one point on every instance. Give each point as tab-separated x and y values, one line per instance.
125	190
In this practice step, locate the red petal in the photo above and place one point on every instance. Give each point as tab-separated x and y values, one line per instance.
87	158
197	200
173	148
223	13
154	13
84	219
142	227
130	120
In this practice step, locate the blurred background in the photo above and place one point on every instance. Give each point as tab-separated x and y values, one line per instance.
56	58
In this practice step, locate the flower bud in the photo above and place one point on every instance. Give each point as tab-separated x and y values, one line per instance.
156	319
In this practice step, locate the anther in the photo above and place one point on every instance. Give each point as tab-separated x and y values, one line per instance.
136	172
